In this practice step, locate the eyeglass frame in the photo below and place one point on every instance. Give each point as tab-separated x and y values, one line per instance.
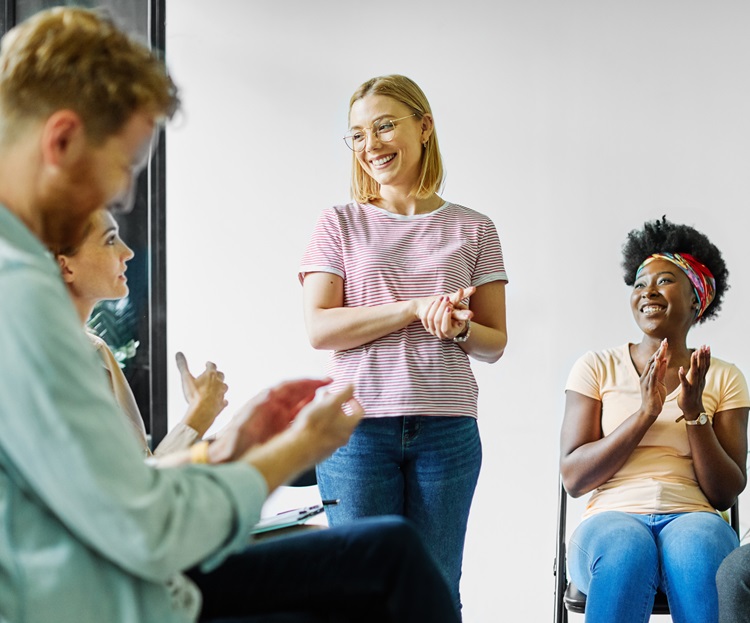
377	132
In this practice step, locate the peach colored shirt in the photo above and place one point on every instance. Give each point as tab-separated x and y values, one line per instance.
180	437
658	477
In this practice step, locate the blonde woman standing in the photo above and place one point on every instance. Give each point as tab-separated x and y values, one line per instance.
403	287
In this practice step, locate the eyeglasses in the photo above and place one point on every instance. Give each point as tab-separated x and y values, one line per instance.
382	130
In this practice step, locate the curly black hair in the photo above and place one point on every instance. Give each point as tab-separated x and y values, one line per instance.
663	236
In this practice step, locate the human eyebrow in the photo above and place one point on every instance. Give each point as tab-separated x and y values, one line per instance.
656	275
374	122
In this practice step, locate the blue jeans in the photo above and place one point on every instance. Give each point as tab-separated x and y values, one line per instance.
372	571
619	560
424	468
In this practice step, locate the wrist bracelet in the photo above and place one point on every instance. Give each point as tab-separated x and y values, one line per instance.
464	335
199	453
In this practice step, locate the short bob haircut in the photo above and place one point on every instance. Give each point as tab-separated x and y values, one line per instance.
406	91
78	59
663	236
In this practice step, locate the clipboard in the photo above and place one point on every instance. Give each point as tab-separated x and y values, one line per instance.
287	519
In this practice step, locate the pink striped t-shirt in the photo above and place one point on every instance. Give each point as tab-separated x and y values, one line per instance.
384	258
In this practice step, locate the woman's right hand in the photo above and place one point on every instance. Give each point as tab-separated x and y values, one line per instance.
653	386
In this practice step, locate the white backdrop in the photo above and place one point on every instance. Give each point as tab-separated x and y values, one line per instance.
569	123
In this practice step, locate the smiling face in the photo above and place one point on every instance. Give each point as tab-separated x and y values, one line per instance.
96	271
395	164
663	301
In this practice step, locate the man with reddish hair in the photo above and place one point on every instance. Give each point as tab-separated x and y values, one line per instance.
88	532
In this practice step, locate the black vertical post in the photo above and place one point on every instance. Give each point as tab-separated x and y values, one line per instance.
9	15
158	259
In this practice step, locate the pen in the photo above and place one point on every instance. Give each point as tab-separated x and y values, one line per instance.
330	502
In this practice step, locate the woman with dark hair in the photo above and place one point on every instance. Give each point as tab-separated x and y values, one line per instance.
404	286
657	432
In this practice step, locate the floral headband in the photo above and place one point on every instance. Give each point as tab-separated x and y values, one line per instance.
703	282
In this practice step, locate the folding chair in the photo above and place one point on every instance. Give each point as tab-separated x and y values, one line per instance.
567	597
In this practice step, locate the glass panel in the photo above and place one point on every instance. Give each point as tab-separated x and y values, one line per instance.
131	14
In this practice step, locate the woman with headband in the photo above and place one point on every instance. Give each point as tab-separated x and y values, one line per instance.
657	433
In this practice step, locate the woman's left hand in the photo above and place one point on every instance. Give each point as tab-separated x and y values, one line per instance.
205	394
693	381
446	316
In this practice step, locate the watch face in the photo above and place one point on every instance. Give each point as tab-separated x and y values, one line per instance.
702	419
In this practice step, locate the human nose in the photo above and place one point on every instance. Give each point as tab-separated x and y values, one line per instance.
127	253
371	139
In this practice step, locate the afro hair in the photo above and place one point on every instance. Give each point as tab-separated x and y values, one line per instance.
663	236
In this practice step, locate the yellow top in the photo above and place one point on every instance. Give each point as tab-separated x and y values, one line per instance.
658	477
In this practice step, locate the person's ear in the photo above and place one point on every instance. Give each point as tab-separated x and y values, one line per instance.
63	138
428	125
65	269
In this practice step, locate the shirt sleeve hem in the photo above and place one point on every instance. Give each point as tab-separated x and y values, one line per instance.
248	490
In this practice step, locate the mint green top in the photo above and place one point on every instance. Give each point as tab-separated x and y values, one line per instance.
88	532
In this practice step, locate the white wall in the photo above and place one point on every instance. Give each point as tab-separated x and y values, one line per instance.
569	123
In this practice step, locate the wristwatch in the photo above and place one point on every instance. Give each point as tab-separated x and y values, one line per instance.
464	335
701	420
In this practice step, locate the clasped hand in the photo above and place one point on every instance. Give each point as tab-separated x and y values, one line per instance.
445	315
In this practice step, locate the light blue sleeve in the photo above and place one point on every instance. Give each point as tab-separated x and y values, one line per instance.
64	441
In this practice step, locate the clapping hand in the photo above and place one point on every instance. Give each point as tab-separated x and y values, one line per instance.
653	386
693	381
263	417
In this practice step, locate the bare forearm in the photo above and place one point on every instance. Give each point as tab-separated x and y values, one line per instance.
341	328
592	464
485	343
719	476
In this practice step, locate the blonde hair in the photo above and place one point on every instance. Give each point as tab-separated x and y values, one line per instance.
406	91
78	59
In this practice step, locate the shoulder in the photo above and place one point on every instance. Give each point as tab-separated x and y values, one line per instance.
595	370
105	352
724	370
98	342
468	214
346	210
33	292
343	215
606	358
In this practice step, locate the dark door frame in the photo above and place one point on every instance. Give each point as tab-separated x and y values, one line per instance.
153	185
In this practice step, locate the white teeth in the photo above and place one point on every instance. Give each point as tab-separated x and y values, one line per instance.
383	160
651	308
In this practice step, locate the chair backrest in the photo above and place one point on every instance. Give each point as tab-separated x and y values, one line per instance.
567	596
305	479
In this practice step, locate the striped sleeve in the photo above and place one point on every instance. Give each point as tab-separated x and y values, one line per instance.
490	265
324	252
